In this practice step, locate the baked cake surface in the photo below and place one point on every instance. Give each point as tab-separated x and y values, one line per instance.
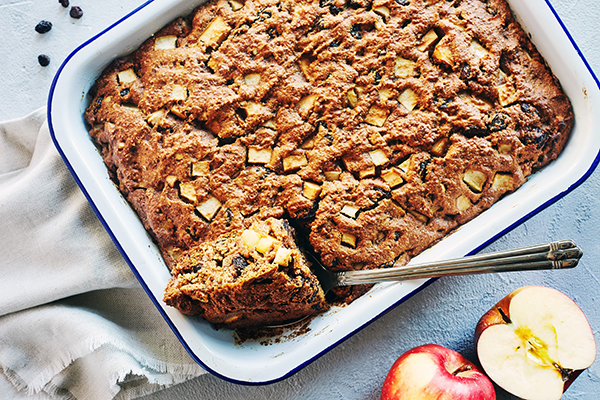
370	128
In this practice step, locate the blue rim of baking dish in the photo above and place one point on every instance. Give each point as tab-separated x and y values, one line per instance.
157	304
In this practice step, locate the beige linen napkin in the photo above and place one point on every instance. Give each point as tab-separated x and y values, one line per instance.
74	321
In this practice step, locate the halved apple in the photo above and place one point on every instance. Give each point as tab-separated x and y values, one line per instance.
535	342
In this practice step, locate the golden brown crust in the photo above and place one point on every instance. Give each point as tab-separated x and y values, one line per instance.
376	127
232	285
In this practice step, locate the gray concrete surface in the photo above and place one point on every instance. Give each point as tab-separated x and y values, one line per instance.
444	313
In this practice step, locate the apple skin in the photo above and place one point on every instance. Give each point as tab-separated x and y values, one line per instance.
434	372
499	314
494	316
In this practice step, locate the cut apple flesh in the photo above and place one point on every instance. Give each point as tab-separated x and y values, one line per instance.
544	339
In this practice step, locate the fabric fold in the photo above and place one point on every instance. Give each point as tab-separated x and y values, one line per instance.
74	321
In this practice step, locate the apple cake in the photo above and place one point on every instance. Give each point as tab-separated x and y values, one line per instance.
362	131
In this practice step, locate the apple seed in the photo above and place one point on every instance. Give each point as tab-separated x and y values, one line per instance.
504	316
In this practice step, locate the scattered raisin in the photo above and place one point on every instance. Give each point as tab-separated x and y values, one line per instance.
445	104
423	169
160	129
474	130
526	108
377	78
287	227
229	217
239	263
124	92
383	192
403	2
465	71
263	15
243	29
272	32
226	141
229	81
76	12
241	113
334	10
355	5
310	214
335	43
98	102
533	135
64	3
491	10
498	123
319	25
43	26
505	61
193	233
356	31
529	109
316	306
44	60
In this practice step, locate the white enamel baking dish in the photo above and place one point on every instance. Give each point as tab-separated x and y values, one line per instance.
252	362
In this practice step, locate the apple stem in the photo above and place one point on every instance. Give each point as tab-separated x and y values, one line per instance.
462	368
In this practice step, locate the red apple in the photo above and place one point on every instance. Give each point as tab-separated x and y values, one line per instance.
435	372
535	342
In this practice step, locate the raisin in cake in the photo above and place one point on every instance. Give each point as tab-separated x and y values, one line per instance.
371	129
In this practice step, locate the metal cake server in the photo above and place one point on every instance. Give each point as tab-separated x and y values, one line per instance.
554	255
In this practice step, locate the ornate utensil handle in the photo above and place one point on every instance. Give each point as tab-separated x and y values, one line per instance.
554	255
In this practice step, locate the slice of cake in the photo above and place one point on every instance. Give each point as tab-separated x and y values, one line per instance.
255	277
